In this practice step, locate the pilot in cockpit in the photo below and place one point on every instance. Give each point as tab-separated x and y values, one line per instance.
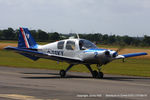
81	45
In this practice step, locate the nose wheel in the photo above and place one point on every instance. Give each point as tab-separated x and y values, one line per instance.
62	73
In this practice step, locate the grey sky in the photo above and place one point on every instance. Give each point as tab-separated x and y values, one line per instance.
121	17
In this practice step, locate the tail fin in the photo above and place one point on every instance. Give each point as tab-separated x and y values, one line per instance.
25	39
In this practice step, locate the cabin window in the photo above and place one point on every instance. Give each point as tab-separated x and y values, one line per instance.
70	45
60	45
85	44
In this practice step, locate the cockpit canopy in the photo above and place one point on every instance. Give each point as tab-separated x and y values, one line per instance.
85	44
81	44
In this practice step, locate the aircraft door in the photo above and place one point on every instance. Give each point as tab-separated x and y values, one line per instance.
70	48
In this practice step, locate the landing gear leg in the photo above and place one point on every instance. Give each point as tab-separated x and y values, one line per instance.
100	74
63	72
94	73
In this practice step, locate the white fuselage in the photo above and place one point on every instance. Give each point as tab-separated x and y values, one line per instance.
71	48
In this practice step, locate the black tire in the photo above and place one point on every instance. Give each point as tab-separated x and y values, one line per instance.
100	75
62	73
95	73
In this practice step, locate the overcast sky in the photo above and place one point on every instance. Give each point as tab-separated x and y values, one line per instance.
120	17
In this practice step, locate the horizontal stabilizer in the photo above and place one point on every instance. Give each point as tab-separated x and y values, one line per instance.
30	56
33	53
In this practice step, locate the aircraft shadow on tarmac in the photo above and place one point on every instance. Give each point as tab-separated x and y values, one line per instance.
53	76
68	76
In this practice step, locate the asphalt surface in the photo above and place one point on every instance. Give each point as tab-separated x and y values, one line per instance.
38	84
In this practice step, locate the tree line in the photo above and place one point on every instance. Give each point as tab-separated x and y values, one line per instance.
39	35
98	38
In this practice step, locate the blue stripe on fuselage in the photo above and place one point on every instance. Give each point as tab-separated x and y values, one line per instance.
95	50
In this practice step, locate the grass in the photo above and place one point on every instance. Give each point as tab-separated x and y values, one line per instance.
8	41
136	67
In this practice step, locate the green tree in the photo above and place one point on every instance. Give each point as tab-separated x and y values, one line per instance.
54	36
146	40
35	34
127	40
112	39
42	36
105	39
9	34
97	37
1	35
16	34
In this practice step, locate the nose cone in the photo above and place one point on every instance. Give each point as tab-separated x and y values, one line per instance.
110	53
101	56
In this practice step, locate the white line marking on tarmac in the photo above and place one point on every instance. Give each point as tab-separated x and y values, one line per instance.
21	97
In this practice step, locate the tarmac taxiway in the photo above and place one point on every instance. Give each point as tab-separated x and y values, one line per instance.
40	84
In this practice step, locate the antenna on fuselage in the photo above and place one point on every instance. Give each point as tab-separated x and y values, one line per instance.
73	37
77	35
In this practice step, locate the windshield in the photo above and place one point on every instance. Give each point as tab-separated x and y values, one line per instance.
85	44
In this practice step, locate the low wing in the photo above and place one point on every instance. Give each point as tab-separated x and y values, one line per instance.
130	55
33	53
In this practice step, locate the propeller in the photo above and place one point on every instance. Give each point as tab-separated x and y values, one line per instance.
115	54
120	49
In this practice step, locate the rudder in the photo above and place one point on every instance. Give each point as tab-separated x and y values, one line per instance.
25	39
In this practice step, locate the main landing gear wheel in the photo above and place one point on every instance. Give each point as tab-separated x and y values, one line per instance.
62	73
97	74
100	75
94	73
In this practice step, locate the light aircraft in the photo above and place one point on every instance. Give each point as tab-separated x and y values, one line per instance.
73	51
